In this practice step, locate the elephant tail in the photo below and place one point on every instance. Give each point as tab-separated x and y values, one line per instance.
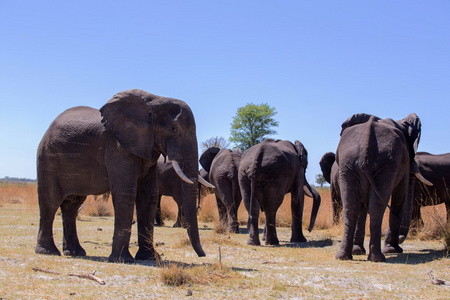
370	143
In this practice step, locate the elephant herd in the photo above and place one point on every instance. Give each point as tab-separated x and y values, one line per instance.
140	146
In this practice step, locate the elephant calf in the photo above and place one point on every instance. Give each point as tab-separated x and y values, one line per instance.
267	172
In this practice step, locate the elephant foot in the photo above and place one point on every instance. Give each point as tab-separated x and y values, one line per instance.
176	225
147	255
376	257
51	250
298	239
391	248
254	242
78	251
124	257
159	223
233	229
272	241
342	255
358	250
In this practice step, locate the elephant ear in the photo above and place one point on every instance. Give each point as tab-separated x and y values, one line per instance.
128	119
207	157
355	120
326	163
303	154
412	128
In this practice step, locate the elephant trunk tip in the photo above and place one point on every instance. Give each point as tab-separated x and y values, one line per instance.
199	251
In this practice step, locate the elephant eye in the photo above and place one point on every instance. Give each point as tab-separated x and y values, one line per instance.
174	129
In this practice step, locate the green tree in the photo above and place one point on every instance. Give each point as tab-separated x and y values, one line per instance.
216	141
320	180
252	124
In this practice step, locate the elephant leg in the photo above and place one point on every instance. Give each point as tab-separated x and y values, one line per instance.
360	232
252	206
397	212
271	228
123	197
233	224
146	202
337	210
49	202
297	204
69	211
180	217
377	208
158	218
223	219
229	208
351	207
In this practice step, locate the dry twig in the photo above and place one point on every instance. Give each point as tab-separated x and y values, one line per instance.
88	276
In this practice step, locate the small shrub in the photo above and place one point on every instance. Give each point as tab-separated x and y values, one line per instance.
175	276
183	243
220	228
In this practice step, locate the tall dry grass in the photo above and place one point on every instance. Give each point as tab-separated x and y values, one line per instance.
434	216
18	193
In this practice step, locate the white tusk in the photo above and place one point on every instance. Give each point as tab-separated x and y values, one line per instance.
205	183
421	178
307	191
180	173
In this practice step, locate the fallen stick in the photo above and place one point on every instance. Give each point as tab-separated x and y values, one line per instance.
88	276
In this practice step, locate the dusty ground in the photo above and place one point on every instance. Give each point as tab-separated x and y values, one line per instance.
292	271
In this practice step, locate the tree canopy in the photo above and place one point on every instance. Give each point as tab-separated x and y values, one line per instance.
252	124
320	180
216	141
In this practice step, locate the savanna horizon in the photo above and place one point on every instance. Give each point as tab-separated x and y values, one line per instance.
26	194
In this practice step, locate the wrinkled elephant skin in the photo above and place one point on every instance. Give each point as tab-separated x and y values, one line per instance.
87	151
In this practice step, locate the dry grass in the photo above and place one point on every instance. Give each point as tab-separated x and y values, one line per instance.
305	270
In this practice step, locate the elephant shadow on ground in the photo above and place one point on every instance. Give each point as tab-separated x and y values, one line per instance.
244	230
421	257
162	263
327	242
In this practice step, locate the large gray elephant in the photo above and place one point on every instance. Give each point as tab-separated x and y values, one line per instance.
170	184
375	158
88	151
267	172
436	169
223	166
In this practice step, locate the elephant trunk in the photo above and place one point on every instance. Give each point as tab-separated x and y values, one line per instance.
407	210
190	215
315	208
186	167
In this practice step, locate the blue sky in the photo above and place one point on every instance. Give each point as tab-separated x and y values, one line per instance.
316	62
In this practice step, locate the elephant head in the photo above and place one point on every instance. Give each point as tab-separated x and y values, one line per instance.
147	125
326	163
207	157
